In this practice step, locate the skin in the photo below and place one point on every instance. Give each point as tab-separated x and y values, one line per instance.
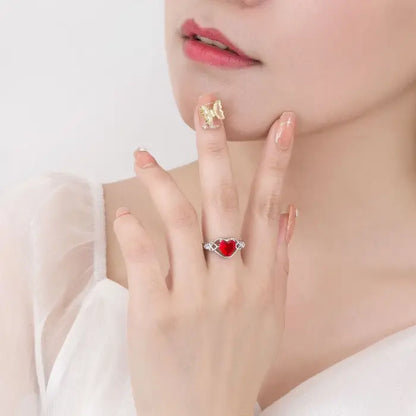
348	71
188	331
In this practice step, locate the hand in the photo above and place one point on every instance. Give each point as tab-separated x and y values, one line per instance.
204	346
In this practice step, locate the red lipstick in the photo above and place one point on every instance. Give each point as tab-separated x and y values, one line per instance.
197	50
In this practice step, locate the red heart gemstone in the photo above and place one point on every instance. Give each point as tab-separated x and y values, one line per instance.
227	248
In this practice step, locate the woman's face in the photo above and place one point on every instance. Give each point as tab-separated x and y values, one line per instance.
327	60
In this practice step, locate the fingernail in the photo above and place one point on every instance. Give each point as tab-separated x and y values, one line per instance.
284	140
143	158
293	213
122	211
210	111
140	149
283	221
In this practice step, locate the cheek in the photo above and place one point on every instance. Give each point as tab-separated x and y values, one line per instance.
327	60
334	59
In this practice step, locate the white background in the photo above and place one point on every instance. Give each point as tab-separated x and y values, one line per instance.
83	83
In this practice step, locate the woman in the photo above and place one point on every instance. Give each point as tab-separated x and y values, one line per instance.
89	322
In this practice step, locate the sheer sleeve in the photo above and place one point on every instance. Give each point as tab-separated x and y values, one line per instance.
46	269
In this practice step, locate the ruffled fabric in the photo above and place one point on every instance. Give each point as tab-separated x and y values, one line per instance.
63	322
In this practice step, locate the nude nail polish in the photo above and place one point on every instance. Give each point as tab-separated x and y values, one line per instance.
140	149
293	213
284	140
122	211
143	158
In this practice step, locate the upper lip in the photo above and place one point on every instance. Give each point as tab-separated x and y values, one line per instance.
191	28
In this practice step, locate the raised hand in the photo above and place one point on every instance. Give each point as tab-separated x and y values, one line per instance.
203	346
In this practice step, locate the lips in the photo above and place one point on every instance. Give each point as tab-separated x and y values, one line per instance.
190	28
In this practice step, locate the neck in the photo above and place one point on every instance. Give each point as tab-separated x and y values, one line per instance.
353	183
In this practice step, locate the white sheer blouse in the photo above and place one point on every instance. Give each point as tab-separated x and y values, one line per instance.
63	322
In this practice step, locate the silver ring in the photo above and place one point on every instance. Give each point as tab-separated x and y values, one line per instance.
224	247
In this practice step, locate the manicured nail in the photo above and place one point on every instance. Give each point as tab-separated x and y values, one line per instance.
122	211
284	140
143	158
140	149
283	221
210	111
291	222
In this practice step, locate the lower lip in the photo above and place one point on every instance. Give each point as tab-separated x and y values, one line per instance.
211	55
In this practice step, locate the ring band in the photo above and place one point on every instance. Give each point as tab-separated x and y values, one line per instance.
224	247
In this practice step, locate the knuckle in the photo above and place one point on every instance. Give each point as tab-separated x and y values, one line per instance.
183	216
227	197
268	207
277	168
159	318
215	147
139	250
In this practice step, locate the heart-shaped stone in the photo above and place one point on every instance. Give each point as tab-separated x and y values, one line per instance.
227	248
